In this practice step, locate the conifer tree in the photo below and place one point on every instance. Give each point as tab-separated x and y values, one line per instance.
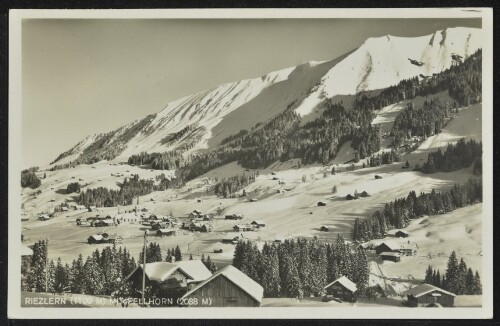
452	273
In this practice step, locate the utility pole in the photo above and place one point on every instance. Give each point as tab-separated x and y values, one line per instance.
47	265
144	268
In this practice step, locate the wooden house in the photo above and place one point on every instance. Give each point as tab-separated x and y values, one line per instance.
233	217
426	294
231	239
258	224
324	228
243	227
350	197
166	232
364	194
320	203
401	234
95	238
378	176
391	256
387	247
342	288
227	288
169	280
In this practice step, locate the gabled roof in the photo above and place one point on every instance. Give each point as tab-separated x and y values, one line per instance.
238	278
258	222
344	281
425	288
160	271
391	245
97	237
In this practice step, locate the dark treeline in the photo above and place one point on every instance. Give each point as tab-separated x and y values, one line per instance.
129	189
397	214
227	187
459	279
463	83
425	121
384	158
300	268
29	178
458	156
171	160
102	273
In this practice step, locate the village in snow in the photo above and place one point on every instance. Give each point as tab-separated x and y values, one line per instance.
355	182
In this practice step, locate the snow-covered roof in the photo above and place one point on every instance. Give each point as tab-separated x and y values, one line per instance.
423	289
26	251
160	271
97	237
258	222
344	281
238	278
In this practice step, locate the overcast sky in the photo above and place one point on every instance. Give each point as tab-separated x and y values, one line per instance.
86	76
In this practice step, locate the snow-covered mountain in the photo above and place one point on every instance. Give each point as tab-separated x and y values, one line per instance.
202	120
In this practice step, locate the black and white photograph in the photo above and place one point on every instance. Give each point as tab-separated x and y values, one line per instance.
330	162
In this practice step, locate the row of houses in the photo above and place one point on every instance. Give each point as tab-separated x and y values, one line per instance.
104	238
253	226
192	280
192	283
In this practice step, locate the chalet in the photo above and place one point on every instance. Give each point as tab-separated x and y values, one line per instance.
166	232
103	222
401	234
200	226
342	288
350	197
258	224
95	238
169	280
408	249
324	228
159	225
243	227
44	217
231	238
364	194
388	246
234	217
195	214
426	294
320	203
377	176
114	239
227	288
391	256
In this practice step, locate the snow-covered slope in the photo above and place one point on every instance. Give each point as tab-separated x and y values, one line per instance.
202	120
384	61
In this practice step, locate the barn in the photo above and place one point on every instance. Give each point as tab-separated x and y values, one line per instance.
165	232
233	217
324	228
401	234
342	288
227	288
95	238
170	280
242	227
391	256
232	239
258	224
350	197
425	294
386	247
320	203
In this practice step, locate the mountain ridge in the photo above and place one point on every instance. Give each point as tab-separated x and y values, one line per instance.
224	110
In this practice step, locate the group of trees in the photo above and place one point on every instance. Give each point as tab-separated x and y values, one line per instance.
129	189
170	160
227	187
29	178
102	273
173	254
384	158
208	263
455	157
424	121
459	279
302	267
73	187
397	214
